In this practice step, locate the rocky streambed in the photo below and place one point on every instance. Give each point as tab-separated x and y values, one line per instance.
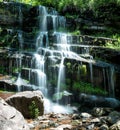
98	118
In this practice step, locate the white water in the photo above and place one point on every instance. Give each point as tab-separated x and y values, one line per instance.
91	69
21	41
19	82
56	108
43	18
41	76
61	77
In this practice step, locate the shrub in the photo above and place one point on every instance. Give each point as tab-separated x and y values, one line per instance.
34	111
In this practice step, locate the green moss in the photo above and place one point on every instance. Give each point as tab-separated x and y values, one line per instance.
88	88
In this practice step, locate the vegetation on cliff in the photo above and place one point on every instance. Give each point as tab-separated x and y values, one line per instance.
87	16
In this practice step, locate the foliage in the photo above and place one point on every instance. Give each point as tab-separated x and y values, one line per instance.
88	88
2	69
7	39
34	111
76	32
116	44
77	4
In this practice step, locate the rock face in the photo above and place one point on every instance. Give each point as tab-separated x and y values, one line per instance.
10	118
22	101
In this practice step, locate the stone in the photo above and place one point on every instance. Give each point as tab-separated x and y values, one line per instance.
85	115
104	127
116	126
95	120
23	100
90	127
10	118
75	116
64	127
76	122
113	117
99	111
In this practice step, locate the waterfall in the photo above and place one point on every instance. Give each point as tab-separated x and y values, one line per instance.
19	80
42	40
110	77
41	76
61	42
91	69
104	79
55	22
20	39
55	49
43	18
61	78
111	81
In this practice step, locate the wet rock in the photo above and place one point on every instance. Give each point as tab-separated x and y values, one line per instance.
10	118
23	100
91	101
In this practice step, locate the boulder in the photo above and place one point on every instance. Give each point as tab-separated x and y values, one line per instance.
10	118
24	101
115	126
91	101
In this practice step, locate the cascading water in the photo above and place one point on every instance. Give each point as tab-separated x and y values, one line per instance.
43	18
61	78
110	76
19	80
42	42
41	76
49	59
91	69
20	39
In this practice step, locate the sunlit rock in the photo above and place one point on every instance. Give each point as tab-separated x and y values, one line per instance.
22	101
10	118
